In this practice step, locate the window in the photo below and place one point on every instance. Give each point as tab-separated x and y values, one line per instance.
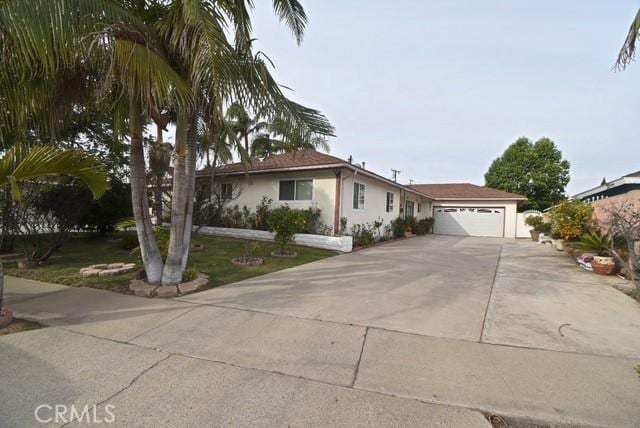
296	190
226	191
409	209
419	207
358	196
389	202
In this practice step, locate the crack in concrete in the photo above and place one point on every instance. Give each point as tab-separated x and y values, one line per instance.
355	373
493	283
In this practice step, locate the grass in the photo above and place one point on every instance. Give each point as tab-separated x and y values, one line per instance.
215	261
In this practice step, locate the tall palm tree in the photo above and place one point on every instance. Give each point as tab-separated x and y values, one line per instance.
628	51
181	60
23	162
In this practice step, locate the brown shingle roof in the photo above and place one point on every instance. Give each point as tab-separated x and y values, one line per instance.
300	159
464	191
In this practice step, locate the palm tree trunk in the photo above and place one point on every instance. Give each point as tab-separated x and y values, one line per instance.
190	172
159	179
246	145
151	257
172	273
1	285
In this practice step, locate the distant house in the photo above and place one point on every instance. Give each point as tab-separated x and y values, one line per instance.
623	189
343	189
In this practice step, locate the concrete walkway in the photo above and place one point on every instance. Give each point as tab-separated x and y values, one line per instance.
422	332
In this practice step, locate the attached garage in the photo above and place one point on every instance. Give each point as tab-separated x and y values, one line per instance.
471	221
469	210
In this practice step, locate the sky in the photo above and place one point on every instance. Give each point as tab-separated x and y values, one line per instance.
438	89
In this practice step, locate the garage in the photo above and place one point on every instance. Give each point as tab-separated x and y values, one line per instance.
469	221
466	209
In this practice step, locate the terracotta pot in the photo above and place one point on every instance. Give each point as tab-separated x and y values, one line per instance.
535	235
603	268
604	260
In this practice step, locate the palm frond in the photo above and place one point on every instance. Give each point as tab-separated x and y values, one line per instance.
628	51
293	15
24	162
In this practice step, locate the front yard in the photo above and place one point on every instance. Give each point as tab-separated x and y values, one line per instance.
214	261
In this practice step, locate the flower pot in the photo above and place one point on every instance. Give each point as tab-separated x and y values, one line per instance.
535	235
558	244
603	268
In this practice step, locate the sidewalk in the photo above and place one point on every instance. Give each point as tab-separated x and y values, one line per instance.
179	363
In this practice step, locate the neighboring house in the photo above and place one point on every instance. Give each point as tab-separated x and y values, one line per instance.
615	192
342	189
467	209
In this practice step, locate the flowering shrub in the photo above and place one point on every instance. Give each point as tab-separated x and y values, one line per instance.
285	222
571	219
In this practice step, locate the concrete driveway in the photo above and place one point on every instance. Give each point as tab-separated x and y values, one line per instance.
422	332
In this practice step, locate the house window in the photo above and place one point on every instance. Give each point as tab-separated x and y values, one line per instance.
389	202
358	196
226	191
409	209
296	190
419	207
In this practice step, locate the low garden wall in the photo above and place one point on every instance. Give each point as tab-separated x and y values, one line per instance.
343	244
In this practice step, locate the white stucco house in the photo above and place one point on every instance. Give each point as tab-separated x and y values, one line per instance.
342	189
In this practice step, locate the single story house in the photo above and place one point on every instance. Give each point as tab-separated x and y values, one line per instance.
343	189
615	192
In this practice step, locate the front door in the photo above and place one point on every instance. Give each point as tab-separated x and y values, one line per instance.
409	209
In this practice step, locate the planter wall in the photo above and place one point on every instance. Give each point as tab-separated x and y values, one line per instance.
343	244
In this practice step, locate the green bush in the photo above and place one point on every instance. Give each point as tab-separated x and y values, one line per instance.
543	228
411	223
571	219
285	222
594	242
534	221
312	221
363	235
399	227
262	214
424	226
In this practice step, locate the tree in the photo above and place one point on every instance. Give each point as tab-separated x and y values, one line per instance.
148	57
623	220
24	162
628	51
535	170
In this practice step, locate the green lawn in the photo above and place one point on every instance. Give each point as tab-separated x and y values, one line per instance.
214	261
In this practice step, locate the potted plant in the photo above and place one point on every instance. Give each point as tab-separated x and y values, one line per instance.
601	244
535	221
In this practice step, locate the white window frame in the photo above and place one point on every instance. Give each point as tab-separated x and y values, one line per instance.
362	190
222	194
295	191
389	202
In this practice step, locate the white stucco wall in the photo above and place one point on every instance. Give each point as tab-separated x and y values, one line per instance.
375	206
510	211
254	187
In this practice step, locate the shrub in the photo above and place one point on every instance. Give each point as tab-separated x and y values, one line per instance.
411	223
363	235
262	213
189	274
595	242
571	219
424	226
543	228
312	221
534	221
399	227
285	222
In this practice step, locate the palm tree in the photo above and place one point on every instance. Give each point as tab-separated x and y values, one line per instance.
180	60
628	51
159	154
23	162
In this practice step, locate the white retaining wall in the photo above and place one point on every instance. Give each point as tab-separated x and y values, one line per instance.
343	244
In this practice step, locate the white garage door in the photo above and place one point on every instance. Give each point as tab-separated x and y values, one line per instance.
469	221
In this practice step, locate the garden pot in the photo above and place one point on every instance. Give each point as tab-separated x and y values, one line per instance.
535	235
603	269
558	244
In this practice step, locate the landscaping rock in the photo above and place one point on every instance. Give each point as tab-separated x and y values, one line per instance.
87	272
100	266
167	291
115	265
191	286
109	272
141	288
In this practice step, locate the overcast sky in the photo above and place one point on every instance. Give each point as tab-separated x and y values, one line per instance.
438	89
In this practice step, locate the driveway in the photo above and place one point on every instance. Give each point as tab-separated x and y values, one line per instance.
423	331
